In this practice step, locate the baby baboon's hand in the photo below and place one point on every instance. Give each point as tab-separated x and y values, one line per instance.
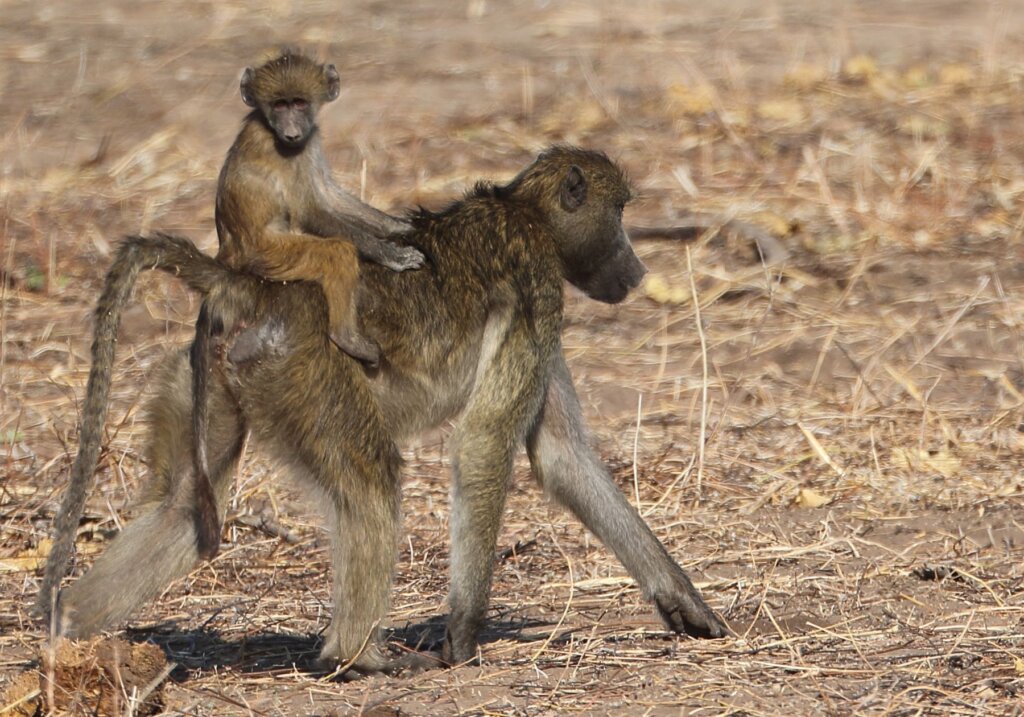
401	258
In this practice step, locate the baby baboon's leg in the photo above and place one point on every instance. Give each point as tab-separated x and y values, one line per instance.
345	333
162	543
333	263
572	473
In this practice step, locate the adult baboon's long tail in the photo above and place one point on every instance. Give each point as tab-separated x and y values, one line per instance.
173	255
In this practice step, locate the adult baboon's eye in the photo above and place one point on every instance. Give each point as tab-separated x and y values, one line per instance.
280	105
300	104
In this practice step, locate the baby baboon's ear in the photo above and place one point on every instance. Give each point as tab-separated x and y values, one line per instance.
246	86
574	189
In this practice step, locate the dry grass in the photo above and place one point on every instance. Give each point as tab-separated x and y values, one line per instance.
833	451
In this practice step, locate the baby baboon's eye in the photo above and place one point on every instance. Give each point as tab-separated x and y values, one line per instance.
299	103
280	105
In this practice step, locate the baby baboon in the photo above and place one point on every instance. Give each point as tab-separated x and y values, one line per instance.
279	212
475	335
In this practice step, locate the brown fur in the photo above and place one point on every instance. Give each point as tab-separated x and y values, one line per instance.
201	273
279	213
475	336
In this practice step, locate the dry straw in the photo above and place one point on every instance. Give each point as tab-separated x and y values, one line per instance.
870	365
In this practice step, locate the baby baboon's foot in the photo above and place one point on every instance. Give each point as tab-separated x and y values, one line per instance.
357	346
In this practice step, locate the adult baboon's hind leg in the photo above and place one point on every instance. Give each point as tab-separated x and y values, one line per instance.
572	473
362	482
364	529
161	544
320	419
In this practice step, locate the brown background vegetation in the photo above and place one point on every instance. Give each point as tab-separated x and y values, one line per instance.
856	510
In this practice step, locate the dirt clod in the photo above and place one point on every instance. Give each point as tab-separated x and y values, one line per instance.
104	676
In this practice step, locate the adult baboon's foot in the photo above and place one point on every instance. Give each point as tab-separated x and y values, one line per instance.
460	640
685	612
374	661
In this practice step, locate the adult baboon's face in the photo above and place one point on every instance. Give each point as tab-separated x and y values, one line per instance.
596	251
617	271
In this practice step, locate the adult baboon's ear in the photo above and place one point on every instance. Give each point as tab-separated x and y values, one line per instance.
574	189
333	83
246	86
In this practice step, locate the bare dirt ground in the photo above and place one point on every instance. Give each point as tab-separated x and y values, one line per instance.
835	457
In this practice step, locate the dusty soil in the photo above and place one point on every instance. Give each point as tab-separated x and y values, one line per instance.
106	676
855	506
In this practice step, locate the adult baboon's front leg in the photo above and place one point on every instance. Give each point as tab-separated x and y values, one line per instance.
162	543
490	431
572	473
482	465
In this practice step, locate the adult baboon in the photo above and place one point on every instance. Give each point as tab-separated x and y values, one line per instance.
474	335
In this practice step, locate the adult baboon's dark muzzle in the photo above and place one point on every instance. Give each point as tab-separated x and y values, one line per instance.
615	277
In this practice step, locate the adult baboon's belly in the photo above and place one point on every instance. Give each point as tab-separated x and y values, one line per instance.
421	397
